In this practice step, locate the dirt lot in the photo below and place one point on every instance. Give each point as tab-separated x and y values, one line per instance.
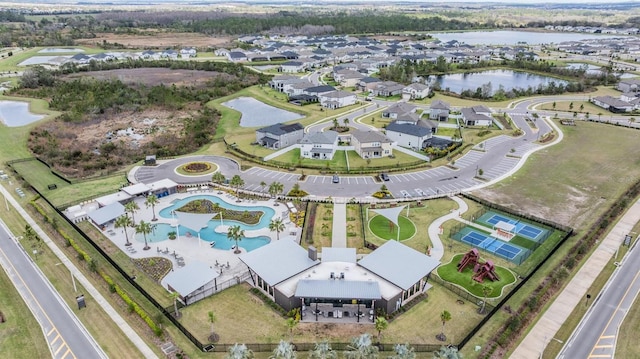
159	40
157	76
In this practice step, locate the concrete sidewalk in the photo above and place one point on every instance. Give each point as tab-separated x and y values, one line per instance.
339	230
144	349
434	228
574	293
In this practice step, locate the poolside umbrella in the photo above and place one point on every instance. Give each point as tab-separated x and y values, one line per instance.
195	221
391	214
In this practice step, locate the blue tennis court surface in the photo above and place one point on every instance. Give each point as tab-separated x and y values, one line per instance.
490	244
522	229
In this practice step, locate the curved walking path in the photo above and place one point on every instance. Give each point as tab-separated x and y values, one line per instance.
137	341
437	251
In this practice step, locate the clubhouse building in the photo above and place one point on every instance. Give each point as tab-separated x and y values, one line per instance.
338	283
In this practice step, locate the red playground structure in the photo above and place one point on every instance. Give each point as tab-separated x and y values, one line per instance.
480	270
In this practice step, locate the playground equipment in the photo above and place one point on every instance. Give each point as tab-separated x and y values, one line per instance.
480	270
470	258
486	270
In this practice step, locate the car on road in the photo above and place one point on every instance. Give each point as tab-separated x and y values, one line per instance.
336	179
384	177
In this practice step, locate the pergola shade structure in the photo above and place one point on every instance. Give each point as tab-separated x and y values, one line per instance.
392	214
338	292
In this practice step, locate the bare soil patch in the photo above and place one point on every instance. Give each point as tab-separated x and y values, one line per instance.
333	330
155	39
158	76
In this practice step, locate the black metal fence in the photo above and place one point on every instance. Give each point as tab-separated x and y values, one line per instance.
270	347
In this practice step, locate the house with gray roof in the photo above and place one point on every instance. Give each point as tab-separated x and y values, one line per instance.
410	135
292	67
612	104
339	286
280	135
371	144
337	99
319	145
416	91
398	109
477	116
439	111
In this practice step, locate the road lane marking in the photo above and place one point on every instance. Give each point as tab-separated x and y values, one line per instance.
604	346
626	292
34	299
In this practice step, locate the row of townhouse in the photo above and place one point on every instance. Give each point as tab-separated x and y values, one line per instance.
82	59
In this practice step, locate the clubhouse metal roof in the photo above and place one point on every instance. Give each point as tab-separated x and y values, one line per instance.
399	264
337	289
107	213
278	261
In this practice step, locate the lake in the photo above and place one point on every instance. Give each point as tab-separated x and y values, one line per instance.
59	50
39	60
16	114
515	37
509	79
259	114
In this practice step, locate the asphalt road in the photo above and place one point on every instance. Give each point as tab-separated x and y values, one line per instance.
596	335
66	336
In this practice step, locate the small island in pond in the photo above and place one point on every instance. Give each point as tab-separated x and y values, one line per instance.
207	206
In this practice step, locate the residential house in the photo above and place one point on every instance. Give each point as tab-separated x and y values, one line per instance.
397	109
477	116
169	54
337	99
280	135
612	104
237	56
367	84
319	90
280	82
347	78
319	145
628	85
371	144
416	91
388	89
292	67
439	111
410	135
188	53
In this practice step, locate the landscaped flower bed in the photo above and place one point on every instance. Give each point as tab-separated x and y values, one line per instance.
196	167
206	206
155	267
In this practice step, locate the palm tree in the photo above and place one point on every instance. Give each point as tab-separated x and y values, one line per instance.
212	319
124	222
447	352
346	122
335	123
403	351
151	201
218	178
175	296
486	290
284	350
323	350
275	188
632	120
263	184
361	348
235	234
237	182
239	351
131	207
277	225
144	228
381	325
445	316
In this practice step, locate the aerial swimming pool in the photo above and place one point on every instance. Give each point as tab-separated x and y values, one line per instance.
161	231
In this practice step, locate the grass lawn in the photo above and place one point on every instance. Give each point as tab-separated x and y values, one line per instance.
293	157
523	242
384	229
449	272
627	344
354	228
422	216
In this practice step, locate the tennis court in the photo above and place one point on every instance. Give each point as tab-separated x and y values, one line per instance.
489	244
522	229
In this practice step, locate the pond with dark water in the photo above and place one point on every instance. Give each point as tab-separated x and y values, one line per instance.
508	79
517	37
